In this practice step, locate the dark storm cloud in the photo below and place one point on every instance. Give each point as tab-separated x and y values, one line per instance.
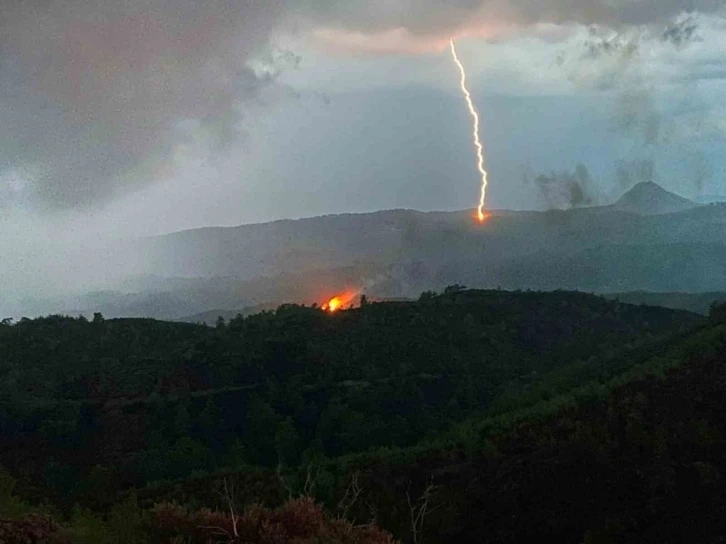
612	12
681	32
434	17
92	93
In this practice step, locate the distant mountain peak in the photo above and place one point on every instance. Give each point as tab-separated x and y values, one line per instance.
649	198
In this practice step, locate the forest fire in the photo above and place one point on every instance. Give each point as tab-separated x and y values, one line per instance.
340	302
333	305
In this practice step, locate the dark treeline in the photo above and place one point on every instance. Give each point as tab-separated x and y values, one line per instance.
497	413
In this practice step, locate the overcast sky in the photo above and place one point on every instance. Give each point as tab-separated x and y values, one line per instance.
136	117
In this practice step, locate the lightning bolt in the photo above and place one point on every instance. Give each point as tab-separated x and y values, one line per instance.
477	142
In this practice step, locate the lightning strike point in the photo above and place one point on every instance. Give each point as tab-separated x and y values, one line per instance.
475	136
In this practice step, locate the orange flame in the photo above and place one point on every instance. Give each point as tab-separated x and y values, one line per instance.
482	217
339	302
333	305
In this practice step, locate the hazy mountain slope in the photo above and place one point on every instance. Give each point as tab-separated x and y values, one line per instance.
606	268
180	298
710	199
266	249
396	236
403	252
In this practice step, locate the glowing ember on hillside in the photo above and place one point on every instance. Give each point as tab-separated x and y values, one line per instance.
482	217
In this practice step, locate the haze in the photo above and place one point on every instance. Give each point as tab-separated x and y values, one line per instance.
125	120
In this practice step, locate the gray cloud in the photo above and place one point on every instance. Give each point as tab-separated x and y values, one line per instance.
94	94
620	67
612	12
681	32
439	16
636	114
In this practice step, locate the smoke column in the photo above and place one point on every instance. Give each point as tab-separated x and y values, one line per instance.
477	141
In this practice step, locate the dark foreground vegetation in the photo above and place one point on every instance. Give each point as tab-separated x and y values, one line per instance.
464	417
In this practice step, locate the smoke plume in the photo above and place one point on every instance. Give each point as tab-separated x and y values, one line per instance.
565	190
630	173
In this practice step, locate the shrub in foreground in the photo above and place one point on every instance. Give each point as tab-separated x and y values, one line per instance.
300	520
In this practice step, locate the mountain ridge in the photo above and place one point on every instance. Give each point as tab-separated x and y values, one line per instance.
649	198
648	189
403	252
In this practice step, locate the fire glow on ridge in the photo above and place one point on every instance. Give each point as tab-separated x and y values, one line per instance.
341	301
477	141
334	304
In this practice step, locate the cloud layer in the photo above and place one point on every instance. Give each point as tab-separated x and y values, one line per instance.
436	18
98	97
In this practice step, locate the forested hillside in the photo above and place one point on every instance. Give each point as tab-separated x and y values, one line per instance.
637	459
516	411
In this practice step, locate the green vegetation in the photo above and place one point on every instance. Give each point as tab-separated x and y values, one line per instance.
512	415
